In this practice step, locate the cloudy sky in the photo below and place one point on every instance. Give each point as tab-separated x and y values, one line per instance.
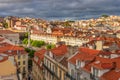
52	9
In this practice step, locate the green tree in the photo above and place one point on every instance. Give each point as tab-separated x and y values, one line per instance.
26	35
105	16
30	51
50	46
36	43
25	41
5	24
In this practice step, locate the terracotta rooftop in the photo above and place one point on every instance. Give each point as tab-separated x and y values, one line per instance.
60	50
40	55
89	51
12	50
84	54
7	32
103	63
111	75
87	67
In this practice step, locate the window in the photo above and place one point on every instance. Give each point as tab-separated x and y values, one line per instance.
18	63
44	61
19	56
78	63
72	72
50	65
23	62
56	70
24	69
95	71
47	63
24	56
60	74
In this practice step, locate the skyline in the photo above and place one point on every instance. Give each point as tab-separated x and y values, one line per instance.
59	9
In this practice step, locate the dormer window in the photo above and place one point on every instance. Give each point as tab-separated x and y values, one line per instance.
95	71
51	54
78	64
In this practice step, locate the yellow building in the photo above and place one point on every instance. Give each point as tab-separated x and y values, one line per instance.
8	71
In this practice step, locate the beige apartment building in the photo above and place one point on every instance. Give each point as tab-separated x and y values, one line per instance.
7	73
37	69
55	64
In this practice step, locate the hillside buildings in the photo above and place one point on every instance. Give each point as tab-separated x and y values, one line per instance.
85	50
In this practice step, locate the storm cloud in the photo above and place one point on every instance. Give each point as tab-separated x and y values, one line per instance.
74	9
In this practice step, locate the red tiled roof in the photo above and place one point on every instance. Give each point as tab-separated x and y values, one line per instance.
117	62
40	55
111	75
12	50
105	52
85	54
74	58
22	26
89	51
87	67
60	50
103	63
108	43
6	32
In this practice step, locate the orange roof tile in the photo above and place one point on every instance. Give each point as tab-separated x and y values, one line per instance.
89	51
103	63
60	50
117	62
74	58
111	75
40	55
7	32
87	67
12	50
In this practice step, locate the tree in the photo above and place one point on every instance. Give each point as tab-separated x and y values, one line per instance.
30	51
105	16
5	24
26	35
50	46
25	41
36	43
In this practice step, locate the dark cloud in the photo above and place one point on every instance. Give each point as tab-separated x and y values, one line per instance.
59	8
